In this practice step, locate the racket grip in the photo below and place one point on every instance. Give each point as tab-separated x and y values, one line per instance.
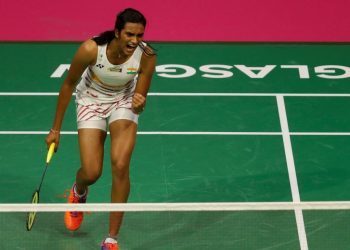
50	152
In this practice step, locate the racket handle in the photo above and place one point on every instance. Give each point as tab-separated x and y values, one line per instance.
50	152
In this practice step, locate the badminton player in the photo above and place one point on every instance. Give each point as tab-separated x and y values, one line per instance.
111	74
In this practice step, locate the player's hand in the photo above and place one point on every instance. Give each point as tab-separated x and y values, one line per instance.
53	136
138	103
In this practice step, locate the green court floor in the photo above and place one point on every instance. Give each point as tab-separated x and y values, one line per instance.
212	132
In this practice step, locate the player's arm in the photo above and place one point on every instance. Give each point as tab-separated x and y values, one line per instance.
147	68
85	55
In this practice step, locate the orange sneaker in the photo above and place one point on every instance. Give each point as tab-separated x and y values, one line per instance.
109	244
73	220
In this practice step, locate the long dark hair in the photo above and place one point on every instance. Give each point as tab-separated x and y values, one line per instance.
128	15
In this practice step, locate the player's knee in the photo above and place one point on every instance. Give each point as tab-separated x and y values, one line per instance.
92	175
120	169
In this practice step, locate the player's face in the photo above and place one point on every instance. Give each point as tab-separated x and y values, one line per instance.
130	37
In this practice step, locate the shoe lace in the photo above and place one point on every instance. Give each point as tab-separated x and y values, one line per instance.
77	199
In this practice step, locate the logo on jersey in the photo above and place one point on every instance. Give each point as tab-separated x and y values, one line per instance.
99	66
115	69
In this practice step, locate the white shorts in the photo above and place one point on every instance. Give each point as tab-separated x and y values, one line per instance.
99	122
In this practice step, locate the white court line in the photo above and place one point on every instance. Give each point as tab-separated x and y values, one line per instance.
28	93
187	206
321	133
146	133
251	94
291	171
188	133
190	94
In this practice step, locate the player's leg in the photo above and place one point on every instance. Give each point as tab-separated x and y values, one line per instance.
91	144
123	138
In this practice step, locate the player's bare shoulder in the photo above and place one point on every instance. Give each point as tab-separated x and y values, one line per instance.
86	55
89	46
88	49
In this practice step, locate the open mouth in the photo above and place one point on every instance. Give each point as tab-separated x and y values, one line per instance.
131	46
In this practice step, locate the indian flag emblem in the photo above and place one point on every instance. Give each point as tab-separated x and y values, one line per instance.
131	71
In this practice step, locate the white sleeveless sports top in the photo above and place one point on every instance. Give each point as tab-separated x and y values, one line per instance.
115	75
104	82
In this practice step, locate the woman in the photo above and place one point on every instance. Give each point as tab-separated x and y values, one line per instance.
116	70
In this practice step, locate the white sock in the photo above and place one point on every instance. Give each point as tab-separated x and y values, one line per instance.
110	240
77	194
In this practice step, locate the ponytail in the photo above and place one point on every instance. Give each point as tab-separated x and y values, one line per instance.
104	37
